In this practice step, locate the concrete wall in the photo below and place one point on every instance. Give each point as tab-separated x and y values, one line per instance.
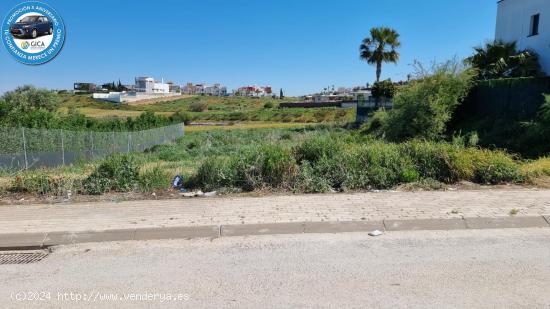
138	96
115	97
118	97
514	23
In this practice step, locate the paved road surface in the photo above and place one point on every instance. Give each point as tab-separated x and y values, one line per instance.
465	269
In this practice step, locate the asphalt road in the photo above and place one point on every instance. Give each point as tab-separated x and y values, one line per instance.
464	269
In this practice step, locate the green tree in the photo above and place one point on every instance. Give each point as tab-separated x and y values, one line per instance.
28	106
384	89
502	59
423	108
380	47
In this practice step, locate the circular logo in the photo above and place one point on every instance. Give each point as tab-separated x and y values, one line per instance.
33	32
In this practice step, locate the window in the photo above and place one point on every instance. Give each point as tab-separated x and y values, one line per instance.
534	30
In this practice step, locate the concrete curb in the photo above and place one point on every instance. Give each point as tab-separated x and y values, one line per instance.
46	239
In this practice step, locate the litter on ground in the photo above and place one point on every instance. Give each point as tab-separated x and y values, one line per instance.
376	233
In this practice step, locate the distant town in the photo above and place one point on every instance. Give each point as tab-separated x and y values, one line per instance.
145	88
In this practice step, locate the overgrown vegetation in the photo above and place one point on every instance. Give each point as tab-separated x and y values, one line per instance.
384	89
311	160
38	108
319	164
210	109
423	107
503	60
117	173
415	144
528	137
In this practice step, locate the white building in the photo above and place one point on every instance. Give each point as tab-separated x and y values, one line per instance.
216	90
254	91
527	22
204	89
149	85
145	88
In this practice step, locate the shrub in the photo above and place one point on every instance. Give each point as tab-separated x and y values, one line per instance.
237	116
154	179
268	166
39	182
334	170
198	106
423	108
309	181
321	115
117	172
384	89
385	165
540	167
278	166
496	168
431	160
171	153
216	172
182	116
316	147
32	182
27	98
268	104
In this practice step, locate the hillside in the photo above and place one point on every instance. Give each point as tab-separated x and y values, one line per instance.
210	109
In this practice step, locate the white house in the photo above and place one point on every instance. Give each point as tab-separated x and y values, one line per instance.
527	22
145	88
199	89
216	90
149	85
254	91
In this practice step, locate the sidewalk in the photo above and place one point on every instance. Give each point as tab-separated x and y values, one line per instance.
214	216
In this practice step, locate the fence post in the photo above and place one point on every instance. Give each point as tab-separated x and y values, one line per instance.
92	144
25	148
62	146
113	134
129	141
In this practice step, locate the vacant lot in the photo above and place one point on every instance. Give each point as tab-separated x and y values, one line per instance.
305	158
211	109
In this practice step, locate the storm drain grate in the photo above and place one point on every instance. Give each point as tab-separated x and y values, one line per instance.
26	257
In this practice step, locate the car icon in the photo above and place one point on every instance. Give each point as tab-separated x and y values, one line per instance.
31	26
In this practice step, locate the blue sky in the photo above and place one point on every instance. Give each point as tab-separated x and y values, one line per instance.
298	45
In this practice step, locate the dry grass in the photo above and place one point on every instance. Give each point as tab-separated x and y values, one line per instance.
537	168
248	125
537	172
159	100
106	113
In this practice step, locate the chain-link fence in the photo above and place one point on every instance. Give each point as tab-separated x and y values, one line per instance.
22	148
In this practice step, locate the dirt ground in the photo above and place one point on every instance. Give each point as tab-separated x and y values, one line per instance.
28	199
158	100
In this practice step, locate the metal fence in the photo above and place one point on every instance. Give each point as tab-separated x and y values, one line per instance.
22	148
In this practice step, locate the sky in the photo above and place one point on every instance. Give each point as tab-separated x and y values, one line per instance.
300	46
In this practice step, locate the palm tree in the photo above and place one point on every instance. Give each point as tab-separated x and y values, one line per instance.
380	48
501	59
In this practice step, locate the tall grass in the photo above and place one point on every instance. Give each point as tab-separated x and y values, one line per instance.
319	159
322	162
